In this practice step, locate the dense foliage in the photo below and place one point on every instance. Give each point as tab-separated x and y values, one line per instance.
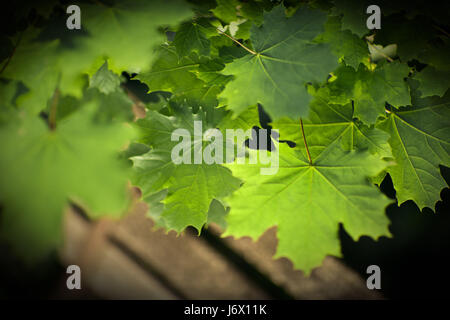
351	105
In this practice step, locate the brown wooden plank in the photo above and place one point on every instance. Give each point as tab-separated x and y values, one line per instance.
333	280
193	266
105	269
128	259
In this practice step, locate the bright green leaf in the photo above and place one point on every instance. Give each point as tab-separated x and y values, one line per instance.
308	202
420	141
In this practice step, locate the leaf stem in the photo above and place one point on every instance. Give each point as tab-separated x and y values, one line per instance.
53	110
304	141
233	39
12	53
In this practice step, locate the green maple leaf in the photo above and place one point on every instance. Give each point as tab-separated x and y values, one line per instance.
125	34
190	188
42	170
192	37
436	55
435	77
226	10
181	76
370	90
374	88
353	15
285	58
246	120
40	78
308	202
331	122
231	11
115	106
105	80
344	44
105	91
44	65
217	214
433	81
420	141
172	73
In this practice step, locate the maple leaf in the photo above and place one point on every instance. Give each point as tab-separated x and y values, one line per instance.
231	11
40	78
172	73
226	10
433	82
353	15
43	169
217	214
308	202
435	77
419	139
190	187
129	24
360	121
105	91
192	37
105	80
191	79
114	33
330	122
284	59
345	44
370	90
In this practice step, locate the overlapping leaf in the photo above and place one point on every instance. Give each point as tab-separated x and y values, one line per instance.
190	187
308	202
124	33
344	44
353	15
180	76
331	122
370	90
42	170
420	141
127	32
285	58
105	80
358	122
435	77
192	37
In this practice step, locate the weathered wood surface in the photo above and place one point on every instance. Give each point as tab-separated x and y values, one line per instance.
128	259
